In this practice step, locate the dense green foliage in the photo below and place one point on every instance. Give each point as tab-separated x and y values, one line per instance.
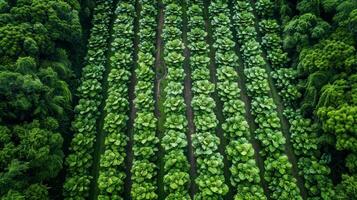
210	177
245	176
320	37
174	142
144	169
111	177
178	100
80	159
36	38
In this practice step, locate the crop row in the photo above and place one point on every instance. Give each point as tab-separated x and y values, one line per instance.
210	179
303	137
80	159
144	168
278	169
244	170
111	172
174	142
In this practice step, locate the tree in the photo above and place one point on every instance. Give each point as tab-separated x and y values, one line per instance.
316	6
347	188
328	55
19	95
36	156
35	73
346	14
304	30
324	64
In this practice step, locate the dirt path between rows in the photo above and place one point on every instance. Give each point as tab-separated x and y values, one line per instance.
132	110
160	75
188	99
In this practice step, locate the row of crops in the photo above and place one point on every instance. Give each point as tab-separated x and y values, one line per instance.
278	169
80	159
210	179
304	140
244	169
230	53
174	142
111	163
144	168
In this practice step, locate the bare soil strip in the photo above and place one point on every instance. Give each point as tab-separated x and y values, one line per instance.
188	99
160	74
132	110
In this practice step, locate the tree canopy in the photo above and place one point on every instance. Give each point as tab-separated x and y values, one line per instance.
36	37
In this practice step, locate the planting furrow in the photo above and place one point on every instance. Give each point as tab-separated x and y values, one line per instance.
132	109
188	101
174	141
160	73
145	146
210	162
278	169
244	169
88	111
303	138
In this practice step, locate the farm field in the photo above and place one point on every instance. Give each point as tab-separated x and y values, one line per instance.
178	100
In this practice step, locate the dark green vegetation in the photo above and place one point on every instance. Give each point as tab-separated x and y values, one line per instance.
178	100
320	38
38	40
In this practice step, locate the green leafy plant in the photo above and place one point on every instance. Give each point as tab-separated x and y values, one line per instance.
265	8
203	87
174	104
79	160
243	167
174	142
177	180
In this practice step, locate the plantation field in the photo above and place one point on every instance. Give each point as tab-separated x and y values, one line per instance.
189	100
178	100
